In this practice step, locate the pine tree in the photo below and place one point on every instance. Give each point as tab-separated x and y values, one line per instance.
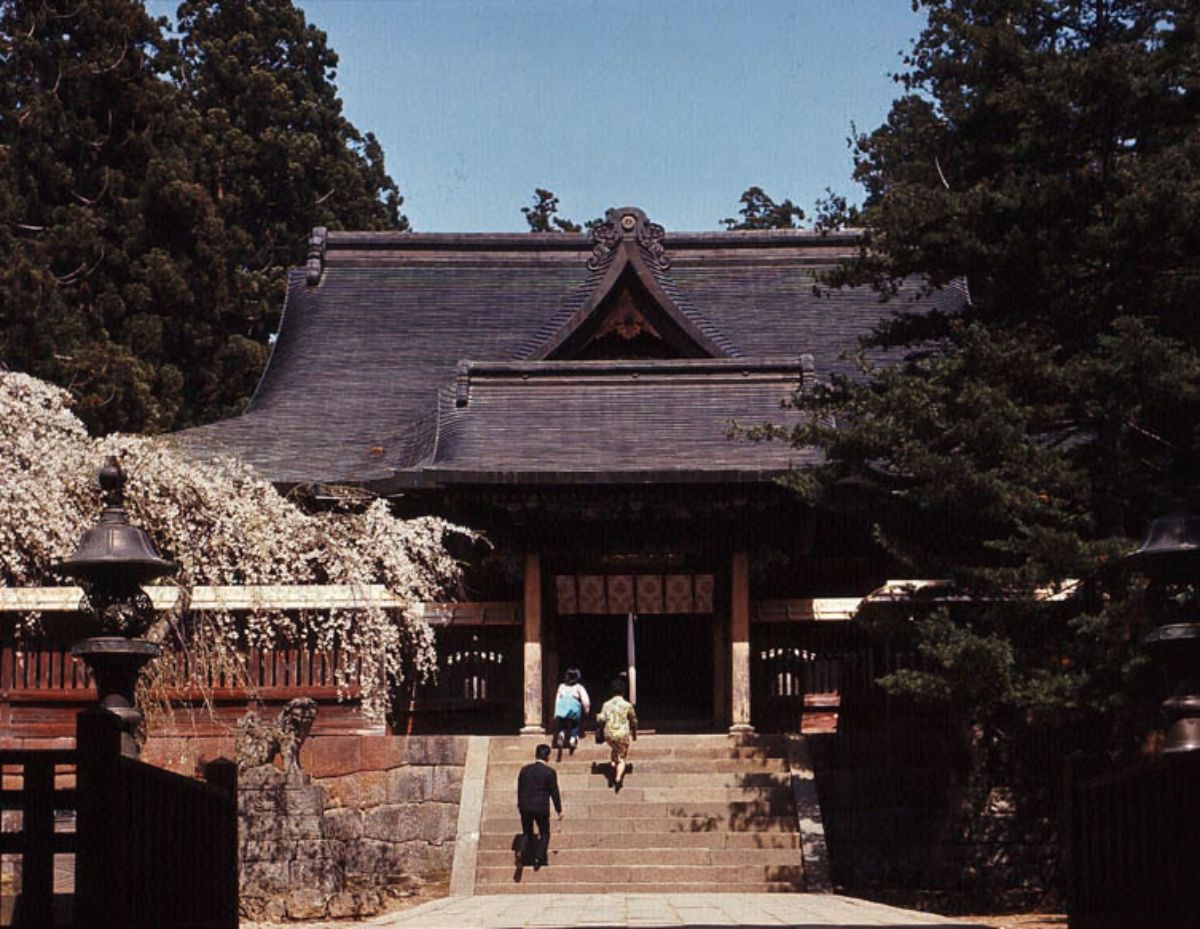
759	211
541	218
1044	158
279	156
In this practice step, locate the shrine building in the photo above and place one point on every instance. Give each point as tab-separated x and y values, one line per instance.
577	399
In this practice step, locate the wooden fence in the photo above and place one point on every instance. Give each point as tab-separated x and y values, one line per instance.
36	785
151	848
1132	841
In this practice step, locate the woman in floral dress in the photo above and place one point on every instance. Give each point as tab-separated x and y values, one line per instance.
619	720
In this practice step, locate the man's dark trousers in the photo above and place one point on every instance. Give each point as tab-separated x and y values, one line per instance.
536	847
537	786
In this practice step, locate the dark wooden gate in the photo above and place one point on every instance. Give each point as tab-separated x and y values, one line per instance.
1132	844
37	786
151	848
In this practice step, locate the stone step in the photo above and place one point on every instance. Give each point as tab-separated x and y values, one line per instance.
617	875
728	807
634	792
647	857
648	774
564	839
530	884
673	739
644	748
660	802
510	823
697	813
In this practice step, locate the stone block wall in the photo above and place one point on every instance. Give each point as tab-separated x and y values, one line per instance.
393	804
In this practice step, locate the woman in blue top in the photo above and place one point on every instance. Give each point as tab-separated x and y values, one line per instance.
571	701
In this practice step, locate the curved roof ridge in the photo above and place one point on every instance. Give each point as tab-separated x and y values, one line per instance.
689	309
571	304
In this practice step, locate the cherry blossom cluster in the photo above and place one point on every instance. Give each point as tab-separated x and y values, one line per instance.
224	525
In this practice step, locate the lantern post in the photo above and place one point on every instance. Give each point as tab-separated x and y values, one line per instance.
112	562
1170	560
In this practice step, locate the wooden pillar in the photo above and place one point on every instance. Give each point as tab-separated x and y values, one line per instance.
533	645
720	639
739	643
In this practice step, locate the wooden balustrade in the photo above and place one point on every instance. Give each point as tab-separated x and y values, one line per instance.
48	672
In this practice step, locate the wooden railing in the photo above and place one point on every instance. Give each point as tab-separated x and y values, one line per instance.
1132	843
41	668
48	672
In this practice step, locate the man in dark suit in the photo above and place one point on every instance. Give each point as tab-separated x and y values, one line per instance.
537	785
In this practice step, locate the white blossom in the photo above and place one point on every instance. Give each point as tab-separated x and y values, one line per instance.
224	525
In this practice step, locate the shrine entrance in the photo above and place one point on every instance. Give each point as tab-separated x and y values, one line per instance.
672	671
656	629
675	672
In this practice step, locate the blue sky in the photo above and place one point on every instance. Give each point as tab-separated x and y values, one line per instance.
673	106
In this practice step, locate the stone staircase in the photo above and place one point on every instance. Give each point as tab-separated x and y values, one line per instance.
697	813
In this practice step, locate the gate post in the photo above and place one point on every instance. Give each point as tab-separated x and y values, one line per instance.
533	646
101	842
739	643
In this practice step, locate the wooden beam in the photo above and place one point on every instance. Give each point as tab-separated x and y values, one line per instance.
203	597
805	609
271	597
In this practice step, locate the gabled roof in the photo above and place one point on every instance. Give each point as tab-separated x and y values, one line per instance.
380	329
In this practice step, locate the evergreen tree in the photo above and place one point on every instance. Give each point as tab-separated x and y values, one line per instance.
1044	155
759	211
541	218
152	194
278	155
111	253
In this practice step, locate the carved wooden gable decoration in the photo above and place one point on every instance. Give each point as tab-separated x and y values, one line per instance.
631	311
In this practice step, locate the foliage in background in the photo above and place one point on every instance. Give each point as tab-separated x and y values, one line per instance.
759	211
223	525
541	216
153	191
1045	157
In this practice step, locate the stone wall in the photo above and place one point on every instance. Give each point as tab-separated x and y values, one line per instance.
393	804
369	817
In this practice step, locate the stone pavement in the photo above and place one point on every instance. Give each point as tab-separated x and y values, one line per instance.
621	910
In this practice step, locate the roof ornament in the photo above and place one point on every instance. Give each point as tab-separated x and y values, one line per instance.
628	221
315	262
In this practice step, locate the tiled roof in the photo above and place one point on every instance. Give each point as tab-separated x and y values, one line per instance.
375	328
597	420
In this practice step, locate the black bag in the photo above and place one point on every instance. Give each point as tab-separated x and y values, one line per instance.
599	735
522	852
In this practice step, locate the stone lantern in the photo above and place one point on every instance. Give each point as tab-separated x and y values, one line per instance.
1170	560
112	562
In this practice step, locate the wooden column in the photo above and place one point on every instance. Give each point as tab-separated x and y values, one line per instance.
533	645
739	643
